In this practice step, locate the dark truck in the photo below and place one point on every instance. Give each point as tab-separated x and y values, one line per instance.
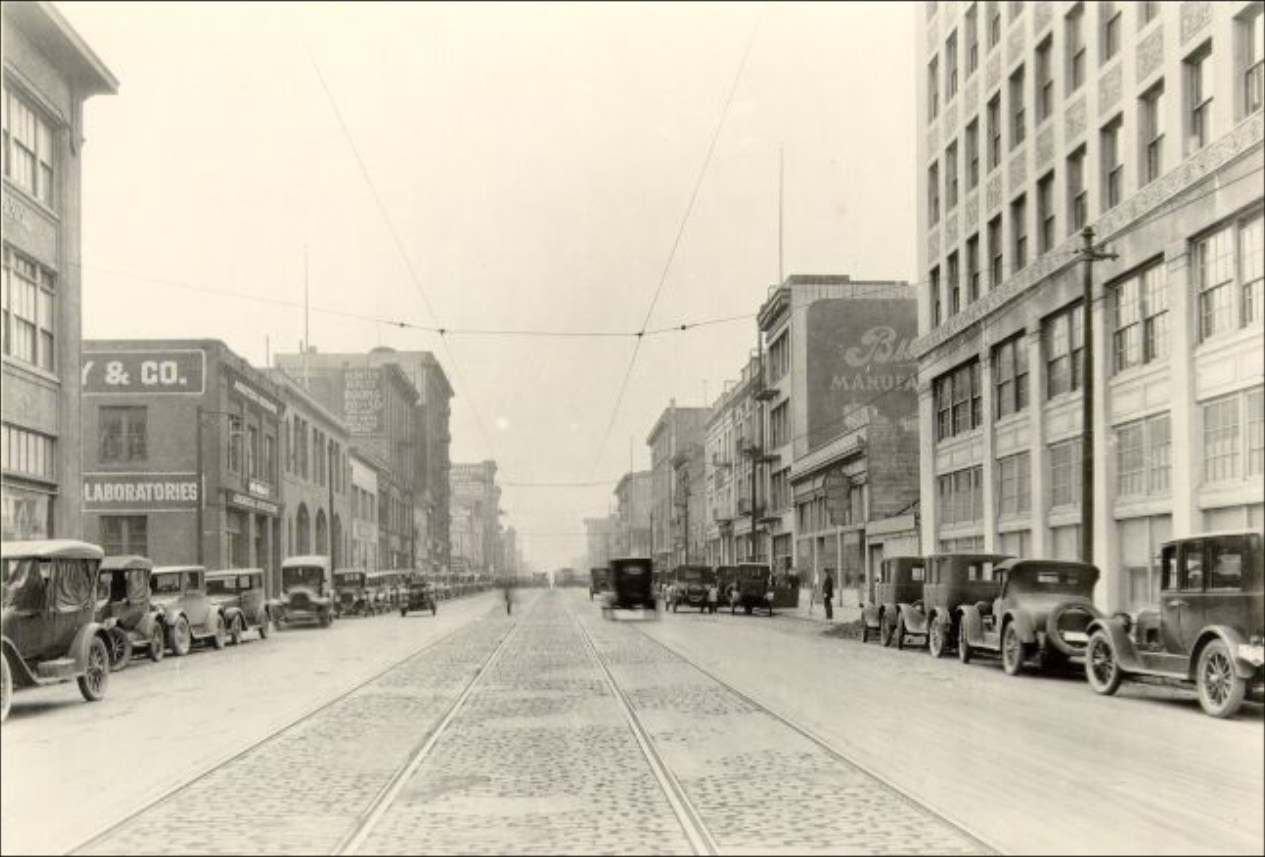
692	583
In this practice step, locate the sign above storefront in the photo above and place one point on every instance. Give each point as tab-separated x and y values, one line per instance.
143	492
148	372
247	502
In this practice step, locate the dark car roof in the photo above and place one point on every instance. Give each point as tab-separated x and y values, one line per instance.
126	563
1015	568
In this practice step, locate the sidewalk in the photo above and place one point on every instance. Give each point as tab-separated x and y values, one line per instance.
843	614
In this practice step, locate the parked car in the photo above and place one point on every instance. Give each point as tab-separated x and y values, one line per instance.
599	581
243	598
900	580
307	591
950	582
416	594
385	587
755	581
692	583
1208	629
125	611
188	613
1042	612
48	627
350	595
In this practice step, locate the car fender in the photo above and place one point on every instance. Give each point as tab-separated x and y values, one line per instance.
1122	644
972	624
145	626
945	615
1233	639
83	641
915	618
231	613
22	675
1022	623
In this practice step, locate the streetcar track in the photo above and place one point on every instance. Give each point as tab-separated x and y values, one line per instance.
886	783
273	733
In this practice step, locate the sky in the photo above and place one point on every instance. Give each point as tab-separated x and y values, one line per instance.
549	167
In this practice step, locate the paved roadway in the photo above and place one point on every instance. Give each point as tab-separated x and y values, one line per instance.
538	756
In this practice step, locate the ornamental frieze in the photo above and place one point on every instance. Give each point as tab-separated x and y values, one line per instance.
1151	53
1195	16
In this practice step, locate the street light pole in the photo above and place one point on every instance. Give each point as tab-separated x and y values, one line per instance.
1090	254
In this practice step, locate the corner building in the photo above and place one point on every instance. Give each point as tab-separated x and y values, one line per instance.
1142	121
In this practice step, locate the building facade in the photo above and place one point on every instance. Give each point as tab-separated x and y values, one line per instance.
632	510
601	535
1142	121
476	512
365	468
731	470
182	459
49	71
677	498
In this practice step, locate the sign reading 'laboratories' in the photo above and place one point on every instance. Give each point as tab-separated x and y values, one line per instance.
168	371
139	491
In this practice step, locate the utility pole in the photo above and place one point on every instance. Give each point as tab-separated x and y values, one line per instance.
1089	254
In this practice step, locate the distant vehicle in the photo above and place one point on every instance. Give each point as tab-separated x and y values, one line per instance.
241	595
188	613
417	594
566	577
1208	629
692	583
350	595
124	609
1042	612
900	580
754	579
307	591
48	627
599	581
632	586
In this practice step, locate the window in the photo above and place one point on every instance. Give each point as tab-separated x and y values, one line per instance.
235	444
972	39
933	88
1139	311
994	24
122	433
1143	457
933	194
27	323
124	534
1112	168
1251	78
1045	212
1010	375
1064	341
1018	118
27	146
1148	11
950	67
934	286
972	269
252	452
955	288
1256	432
995	253
1065	473
780	357
958	400
270	459
972	154
1014	484
951	176
1077	199
961	496
1019	224
779	426
994	132
1074	28
1230	288
1151	121
1198	99
27	452
1045	81
1221	439
1109	37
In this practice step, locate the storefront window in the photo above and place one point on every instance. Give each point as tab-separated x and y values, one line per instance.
27	514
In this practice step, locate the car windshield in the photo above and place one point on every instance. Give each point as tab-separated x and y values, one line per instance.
349	578
1047	579
166	583
221	586
308	575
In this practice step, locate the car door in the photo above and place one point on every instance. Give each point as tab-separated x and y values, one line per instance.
73	602
197	605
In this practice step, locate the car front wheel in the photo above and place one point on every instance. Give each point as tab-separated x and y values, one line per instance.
885	630
1221	690
265	627
181	637
96	677
1101	667
900	632
119	647
1012	651
157	643
221	632
937	637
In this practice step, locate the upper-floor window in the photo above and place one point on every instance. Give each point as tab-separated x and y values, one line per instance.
1229	439
1065	473
29	161
1074	40
1228	276
1199	88
972	269
1139	318
1064	341
1143	457
972	154
960	496
780	425
1077	197
1045	212
933	194
780	356
122	433
933	88
933	287
993	11
27	322
971	30
994	132
27	452
1019	226
1151	133
951	176
958	400
1250	32
1018	115
235	433
1109	16
996	253
1010	375
1112	166
955	287
950	67
1148	11
1014	484
253	461
1044	80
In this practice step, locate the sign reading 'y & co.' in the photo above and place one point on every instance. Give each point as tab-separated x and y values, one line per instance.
171	371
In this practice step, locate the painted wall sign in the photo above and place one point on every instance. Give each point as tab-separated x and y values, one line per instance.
248	502
362	401
173	371
147	492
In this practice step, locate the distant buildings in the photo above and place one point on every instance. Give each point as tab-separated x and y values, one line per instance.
602	534
49	72
475	525
633	502
678	501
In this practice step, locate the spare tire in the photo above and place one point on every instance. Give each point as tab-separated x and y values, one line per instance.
1071	617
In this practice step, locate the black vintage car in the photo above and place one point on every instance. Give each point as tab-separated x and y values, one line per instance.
1207	631
632	586
755	583
952	581
416	594
692	583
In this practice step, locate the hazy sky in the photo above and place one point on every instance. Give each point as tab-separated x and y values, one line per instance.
534	162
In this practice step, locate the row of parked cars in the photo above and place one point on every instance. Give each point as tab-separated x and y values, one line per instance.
1207	629
744	586
72	613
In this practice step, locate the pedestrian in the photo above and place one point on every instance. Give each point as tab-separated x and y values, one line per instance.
509	596
827	596
672	595
733	598
769	593
713	595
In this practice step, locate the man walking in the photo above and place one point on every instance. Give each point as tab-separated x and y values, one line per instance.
827	596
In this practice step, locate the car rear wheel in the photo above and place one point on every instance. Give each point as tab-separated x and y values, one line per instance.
119	647
157	642
1012	651
181	637
1101	667
236	630
964	647
6	688
96	677
1221	690
221	632
900	632
937	637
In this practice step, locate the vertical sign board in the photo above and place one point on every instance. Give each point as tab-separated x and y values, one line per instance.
859	365
362	400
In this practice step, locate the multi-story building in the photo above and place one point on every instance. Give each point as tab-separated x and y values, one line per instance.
729	469
183	464
377	403
601	534
315	485
632	510
677	522
365	467
476	512
840	426
511	560
49	71
1142	121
